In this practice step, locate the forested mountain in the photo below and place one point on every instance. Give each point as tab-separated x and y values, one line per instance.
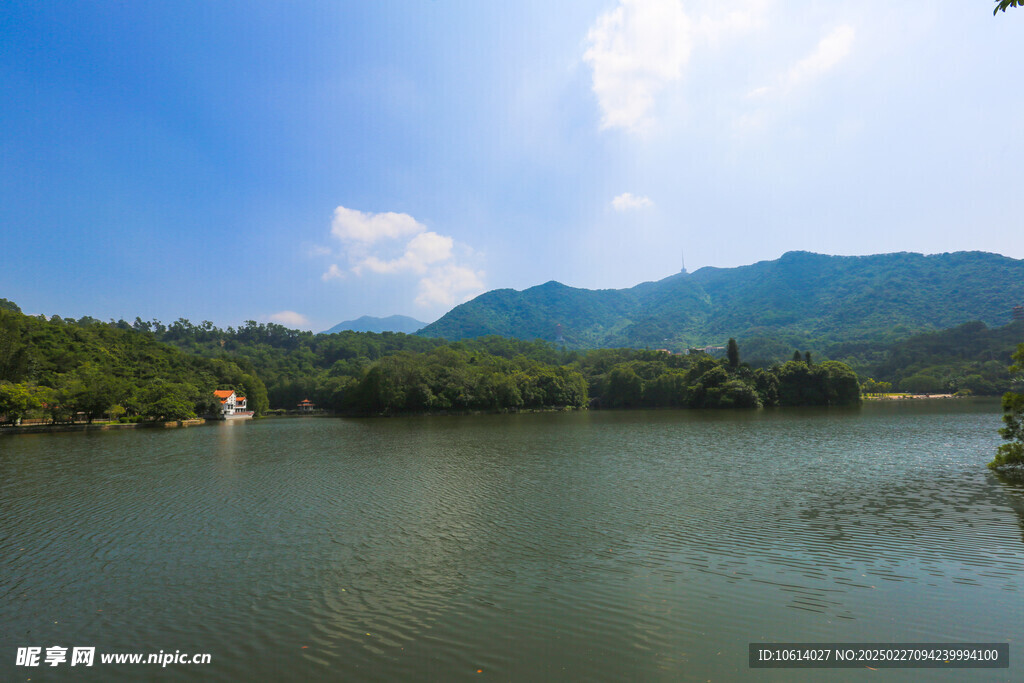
802	298
861	311
368	323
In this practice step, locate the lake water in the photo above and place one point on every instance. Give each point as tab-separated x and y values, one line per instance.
640	545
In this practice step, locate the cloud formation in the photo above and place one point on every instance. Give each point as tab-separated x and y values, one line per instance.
422	251
396	243
333	273
289	318
443	284
635	50
629	202
832	49
357	226
639	52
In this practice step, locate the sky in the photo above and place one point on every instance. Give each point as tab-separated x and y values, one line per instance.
311	162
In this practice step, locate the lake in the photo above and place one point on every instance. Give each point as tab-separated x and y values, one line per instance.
599	546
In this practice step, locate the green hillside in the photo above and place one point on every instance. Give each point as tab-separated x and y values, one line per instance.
801	298
60	367
967	358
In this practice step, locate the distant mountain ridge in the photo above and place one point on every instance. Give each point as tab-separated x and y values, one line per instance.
368	323
800	295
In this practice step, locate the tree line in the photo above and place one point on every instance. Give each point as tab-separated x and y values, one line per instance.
63	369
1010	455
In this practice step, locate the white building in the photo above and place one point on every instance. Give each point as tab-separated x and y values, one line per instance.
232	406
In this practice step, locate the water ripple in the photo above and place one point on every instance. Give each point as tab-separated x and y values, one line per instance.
604	546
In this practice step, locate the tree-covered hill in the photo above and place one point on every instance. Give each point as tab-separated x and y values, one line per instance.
371	373
800	298
970	358
63	367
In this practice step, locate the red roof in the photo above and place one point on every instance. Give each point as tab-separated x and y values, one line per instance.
223	393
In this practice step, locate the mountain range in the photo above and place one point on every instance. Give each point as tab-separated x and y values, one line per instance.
368	323
800	296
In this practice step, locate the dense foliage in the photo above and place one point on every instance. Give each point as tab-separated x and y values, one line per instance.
969	358
65	367
330	369
129	369
1011	455
391	373
1002	5
450	379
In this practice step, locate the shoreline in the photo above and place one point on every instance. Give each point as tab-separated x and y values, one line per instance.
910	397
47	429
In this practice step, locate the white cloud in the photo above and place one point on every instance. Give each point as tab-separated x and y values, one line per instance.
289	318
396	243
448	285
627	201
421	251
640	51
832	49
635	50
642	47
367	228
333	273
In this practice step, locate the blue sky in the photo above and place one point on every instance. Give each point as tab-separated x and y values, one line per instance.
311	162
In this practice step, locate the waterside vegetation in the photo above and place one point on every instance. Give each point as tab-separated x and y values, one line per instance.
65	369
1010	455
68	370
62	369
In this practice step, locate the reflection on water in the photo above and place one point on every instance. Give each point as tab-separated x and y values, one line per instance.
596	546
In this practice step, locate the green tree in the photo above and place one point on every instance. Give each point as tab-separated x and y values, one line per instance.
733	353
1011	455
255	392
737	394
162	400
14	346
922	383
625	388
16	400
1002	5
92	391
800	385
841	385
874	386
767	386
